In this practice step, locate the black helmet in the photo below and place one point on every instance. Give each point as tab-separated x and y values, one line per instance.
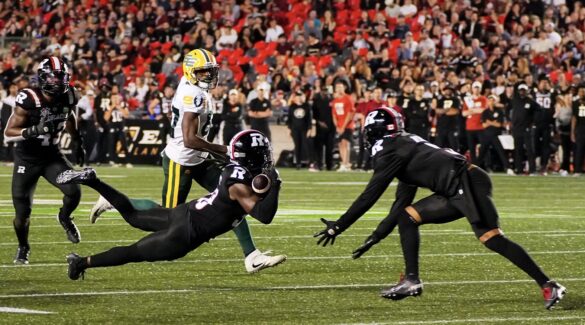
381	122
53	76
251	149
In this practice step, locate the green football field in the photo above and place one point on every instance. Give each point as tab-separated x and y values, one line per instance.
464	282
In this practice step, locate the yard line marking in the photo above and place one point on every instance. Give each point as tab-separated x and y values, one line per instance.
482	320
23	311
308	258
274	288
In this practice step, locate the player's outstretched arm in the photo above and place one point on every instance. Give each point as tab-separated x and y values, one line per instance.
263	208
191	140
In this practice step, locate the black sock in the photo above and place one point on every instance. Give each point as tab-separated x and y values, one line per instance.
21	228
116	198
410	241
115	256
517	255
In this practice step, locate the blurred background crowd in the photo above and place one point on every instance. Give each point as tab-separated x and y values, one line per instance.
499	81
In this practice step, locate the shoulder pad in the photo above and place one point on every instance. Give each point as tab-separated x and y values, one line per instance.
28	99
236	174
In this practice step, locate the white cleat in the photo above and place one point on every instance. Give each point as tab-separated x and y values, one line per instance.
510	172
102	205
257	261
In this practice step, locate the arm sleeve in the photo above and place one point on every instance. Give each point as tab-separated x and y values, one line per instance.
265	209
378	184
405	194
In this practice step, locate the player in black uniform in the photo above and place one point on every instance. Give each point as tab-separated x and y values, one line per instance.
459	190
545	97
35	125
448	109
177	231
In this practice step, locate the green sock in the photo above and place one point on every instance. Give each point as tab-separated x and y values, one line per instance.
144	204
245	237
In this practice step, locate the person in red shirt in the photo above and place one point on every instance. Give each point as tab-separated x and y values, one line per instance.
343	112
472	110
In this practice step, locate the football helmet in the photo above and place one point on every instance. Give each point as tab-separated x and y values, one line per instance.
251	149
201	69
381	122
53	76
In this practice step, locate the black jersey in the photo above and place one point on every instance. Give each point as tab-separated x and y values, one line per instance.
412	160
215	213
403	101
448	122
543	116
579	114
417	114
56	112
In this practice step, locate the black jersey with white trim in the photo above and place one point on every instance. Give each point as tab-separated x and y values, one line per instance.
54	113
216	213
412	160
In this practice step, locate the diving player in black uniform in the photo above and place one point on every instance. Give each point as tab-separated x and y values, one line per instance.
177	231
35	125
460	189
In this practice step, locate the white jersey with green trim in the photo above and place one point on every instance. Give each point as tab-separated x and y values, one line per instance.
188	98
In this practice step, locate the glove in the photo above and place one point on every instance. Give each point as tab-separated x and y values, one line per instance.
40	129
329	234
370	241
274	176
79	152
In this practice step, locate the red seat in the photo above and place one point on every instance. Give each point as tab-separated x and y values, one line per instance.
262	69
363	52
325	61
260	45
299	60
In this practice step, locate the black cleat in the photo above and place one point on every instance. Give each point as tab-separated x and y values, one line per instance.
404	288
552	293
22	254
75	269
72	176
70	229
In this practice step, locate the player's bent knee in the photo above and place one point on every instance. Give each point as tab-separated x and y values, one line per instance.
413	215
490	234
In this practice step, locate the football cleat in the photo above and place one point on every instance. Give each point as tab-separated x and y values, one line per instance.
552	293
257	261
22	254
76	176
70	229
404	288
102	205
75	269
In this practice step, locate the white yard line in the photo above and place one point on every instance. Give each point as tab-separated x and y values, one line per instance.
306	287
23	311
539	320
302	258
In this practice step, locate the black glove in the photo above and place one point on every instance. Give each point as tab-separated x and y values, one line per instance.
370	241
40	129
329	234
274	176
79	152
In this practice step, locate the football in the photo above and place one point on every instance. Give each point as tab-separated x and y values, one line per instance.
261	183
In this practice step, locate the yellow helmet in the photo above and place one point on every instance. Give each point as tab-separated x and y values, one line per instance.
201	69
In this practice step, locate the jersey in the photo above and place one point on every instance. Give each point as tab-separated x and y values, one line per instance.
579	114
56	112
543	116
417	114
448	122
215	213
188	98
412	160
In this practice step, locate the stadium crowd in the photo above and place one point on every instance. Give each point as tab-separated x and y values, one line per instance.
476	76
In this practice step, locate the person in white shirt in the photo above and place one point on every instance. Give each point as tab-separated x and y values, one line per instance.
273	31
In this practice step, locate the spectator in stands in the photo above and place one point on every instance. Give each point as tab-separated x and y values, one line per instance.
227	36
328	25
401	28
299	124
260	110
274	31
343	116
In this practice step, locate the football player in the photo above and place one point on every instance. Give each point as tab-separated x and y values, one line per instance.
460	189
179	230
189	156
40	114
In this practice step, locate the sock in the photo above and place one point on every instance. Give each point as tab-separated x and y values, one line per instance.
143	204
245	237
410	241
517	255
21	227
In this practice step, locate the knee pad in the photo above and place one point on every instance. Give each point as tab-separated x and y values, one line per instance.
493	238
409	216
